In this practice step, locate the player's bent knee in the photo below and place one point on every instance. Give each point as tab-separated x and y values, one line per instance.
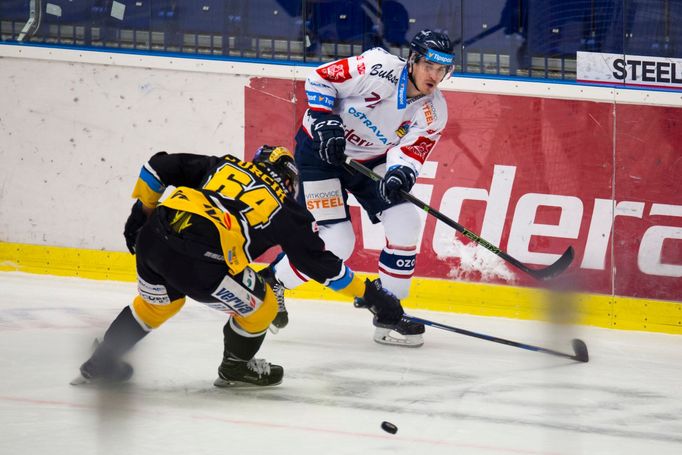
260	320
339	238
153	315
402	225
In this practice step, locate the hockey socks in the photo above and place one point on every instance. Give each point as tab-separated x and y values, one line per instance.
105	364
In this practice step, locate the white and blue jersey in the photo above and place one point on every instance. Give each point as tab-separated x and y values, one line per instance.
369	93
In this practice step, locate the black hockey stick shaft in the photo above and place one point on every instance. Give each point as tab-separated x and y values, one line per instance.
540	274
579	347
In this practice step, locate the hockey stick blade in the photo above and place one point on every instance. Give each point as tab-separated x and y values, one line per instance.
555	269
579	347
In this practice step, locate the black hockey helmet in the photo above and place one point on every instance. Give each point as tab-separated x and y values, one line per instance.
433	46
278	161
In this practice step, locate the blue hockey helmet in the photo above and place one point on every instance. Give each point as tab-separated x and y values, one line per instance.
434	47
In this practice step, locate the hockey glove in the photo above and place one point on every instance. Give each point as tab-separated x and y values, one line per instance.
385	306
328	137
397	178
134	223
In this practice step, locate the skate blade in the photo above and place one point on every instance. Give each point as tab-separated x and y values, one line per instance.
230	384
273	329
409	341
79	380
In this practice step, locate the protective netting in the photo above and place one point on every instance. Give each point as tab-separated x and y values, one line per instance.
536	38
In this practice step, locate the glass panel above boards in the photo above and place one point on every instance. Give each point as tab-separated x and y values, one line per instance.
509	38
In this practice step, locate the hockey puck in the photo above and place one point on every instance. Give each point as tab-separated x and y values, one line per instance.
388	427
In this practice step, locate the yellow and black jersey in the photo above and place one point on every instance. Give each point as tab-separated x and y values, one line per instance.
246	207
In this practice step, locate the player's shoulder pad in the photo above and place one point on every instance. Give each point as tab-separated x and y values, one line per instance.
382	67
382	55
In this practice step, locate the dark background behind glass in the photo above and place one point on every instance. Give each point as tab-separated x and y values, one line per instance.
521	38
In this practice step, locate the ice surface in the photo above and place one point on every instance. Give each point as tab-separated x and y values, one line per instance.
455	395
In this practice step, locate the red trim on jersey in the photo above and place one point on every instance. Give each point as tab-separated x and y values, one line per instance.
319	109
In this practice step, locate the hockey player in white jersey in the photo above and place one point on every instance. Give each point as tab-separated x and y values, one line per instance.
388	113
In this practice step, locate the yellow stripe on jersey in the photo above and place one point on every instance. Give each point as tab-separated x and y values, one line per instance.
261	319
154	315
232	238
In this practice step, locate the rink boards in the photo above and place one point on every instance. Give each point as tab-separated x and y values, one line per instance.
533	167
624	313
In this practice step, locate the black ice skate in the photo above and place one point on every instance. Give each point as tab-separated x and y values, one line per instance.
102	368
404	333
282	318
256	372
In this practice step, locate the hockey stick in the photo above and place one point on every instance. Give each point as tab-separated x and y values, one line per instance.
579	347
545	273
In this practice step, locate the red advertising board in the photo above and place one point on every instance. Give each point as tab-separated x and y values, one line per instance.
533	176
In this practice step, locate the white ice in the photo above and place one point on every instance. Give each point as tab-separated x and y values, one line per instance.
455	395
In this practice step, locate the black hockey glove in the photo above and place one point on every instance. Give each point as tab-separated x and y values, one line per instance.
133	225
397	178
328	137
385	306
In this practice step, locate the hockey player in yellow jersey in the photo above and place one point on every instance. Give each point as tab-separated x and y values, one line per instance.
200	242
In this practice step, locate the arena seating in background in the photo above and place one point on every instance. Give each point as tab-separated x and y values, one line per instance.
481	18
124	23
402	19
647	29
276	27
605	33
517	37
557	27
494	36
340	28
395	19
204	23
13	16
14	10
674	21
66	21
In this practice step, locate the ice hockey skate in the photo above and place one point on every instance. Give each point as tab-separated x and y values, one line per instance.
408	334
282	318
101	368
401	333
255	372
